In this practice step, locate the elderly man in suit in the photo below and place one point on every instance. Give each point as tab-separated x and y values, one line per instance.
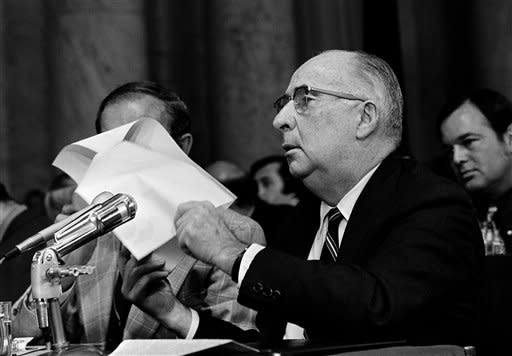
94	308
391	251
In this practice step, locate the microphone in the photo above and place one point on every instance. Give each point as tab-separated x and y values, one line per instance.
112	213
48	233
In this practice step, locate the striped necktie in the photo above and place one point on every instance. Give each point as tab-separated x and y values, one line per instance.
331	244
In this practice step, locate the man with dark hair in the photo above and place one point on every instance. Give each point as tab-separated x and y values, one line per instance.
146	99
268	216
275	183
477	128
94	308
391	252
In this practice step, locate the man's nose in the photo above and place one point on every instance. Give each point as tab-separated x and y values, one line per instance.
285	120
459	155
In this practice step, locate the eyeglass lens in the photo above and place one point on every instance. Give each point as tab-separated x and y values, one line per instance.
300	100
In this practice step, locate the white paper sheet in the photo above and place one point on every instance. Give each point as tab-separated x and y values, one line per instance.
142	160
164	347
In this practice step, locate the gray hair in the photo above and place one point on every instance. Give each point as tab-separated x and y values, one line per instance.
379	70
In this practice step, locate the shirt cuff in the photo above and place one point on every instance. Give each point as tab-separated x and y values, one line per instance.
193	325
247	259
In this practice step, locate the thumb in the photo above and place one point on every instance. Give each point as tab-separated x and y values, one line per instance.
103	196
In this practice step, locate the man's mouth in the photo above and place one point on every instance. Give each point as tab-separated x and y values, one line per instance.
467	174
288	147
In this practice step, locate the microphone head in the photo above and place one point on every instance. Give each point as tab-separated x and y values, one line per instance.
110	214
104	205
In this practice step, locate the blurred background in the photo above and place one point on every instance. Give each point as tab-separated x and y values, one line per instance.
229	60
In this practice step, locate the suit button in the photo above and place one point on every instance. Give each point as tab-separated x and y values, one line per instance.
267	292
257	288
276	295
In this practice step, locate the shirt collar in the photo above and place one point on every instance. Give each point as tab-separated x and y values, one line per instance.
346	204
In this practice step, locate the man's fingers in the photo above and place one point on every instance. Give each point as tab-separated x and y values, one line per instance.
146	268
61	217
184	208
103	196
135	270
194	206
142	286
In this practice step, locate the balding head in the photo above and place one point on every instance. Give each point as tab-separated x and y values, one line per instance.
365	76
387	91
345	118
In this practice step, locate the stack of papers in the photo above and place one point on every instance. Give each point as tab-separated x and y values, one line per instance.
164	347
142	160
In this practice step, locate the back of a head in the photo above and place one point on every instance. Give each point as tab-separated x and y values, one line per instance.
224	171
176	113
496	108
384	80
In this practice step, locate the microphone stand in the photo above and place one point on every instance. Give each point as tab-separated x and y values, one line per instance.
48	268
46	274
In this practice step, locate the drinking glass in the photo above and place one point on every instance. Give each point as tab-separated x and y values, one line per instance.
5	328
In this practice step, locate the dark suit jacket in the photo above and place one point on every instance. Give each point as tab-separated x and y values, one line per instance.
270	217
409	268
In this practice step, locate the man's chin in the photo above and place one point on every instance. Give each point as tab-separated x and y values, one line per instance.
474	185
296	170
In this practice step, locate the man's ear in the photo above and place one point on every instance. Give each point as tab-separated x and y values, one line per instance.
368	121
507	138
185	142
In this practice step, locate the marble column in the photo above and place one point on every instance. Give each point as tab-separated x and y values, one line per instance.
96	45
252	55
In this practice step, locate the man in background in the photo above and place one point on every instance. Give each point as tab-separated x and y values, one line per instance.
477	129
275	183
248	203
94	308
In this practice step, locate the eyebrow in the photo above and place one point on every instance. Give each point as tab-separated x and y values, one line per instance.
467	135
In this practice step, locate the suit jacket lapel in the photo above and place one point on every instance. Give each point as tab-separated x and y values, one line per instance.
95	291
374	203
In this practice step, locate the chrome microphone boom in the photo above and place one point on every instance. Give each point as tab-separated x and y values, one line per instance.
113	212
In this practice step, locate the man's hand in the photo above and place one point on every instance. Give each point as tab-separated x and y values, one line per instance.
215	235
145	284
55	200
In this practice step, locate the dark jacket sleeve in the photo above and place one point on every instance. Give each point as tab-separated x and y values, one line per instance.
214	328
417	270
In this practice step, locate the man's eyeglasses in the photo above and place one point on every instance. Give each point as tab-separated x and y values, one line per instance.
302	95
